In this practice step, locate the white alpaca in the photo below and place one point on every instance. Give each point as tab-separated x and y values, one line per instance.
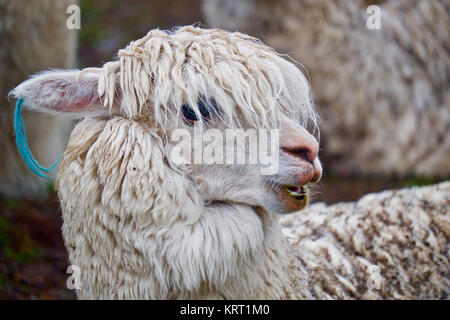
34	37
369	84
138	225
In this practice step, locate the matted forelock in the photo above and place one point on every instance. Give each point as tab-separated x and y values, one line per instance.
250	82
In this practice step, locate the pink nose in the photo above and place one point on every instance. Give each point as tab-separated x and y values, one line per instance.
317	171
305	148
306	153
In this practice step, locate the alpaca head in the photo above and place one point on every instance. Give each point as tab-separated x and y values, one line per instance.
201	82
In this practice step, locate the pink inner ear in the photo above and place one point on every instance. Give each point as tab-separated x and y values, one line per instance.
79	104
72	96
61	91
87	104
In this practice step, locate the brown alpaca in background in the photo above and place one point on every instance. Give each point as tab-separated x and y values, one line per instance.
383	95
388	245
34	37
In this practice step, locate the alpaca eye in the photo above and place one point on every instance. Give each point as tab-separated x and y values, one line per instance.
188	113
205	108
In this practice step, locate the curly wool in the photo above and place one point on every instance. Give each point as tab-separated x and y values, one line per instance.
388	245
241	74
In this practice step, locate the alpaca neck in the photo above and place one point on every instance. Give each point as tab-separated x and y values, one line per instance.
286	275
275	273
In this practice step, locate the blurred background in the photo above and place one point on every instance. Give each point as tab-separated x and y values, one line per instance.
368	84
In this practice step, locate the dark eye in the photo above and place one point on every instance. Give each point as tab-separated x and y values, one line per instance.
188	113
205	108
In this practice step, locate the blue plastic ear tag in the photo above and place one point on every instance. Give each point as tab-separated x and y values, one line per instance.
22	144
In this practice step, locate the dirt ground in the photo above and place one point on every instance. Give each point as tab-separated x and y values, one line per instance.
33	258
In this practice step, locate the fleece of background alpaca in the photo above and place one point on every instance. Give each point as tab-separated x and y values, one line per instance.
383	94
388	245
34	37
140	227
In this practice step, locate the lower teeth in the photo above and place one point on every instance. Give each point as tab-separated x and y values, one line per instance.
298	196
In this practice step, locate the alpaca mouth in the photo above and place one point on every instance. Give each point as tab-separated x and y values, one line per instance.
293	197
299	193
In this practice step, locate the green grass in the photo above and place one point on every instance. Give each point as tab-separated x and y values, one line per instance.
50	185
16	244
8	203
3	279
418	182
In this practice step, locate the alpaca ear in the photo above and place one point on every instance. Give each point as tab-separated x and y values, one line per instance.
59	91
